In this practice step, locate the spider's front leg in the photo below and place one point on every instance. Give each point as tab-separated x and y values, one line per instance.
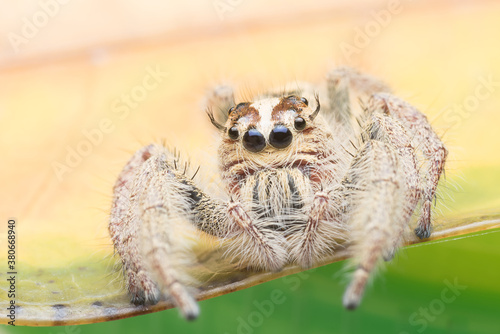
124	230
386	188
376	195
149	219
155	207
346	85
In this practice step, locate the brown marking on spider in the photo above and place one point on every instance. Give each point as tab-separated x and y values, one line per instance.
243	110
290	103
301	186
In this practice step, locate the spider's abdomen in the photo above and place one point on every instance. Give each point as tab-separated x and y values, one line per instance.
277	198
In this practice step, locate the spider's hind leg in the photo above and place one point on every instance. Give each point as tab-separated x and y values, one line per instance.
345	88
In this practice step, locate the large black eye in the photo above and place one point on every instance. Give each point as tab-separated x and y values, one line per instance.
304	100
233	133
300	123
280	137
254	141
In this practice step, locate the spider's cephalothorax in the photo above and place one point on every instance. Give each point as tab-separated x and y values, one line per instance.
276	157
274	133
303	180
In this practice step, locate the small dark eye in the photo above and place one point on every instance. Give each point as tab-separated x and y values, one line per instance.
304	100
300	123
233	133
230	110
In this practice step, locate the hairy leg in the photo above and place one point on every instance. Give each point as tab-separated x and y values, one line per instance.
346	87
124	232
149	216
376	197
425	140
385	128
154	207
324	230
161	206
256	248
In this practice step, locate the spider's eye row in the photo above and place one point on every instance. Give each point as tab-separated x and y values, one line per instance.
304	100
300	123
254	141
233	133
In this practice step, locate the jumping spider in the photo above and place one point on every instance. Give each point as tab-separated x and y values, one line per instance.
304	179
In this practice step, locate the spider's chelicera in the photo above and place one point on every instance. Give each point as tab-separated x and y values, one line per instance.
304	179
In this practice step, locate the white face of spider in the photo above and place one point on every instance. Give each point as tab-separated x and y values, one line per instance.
269	123
265	110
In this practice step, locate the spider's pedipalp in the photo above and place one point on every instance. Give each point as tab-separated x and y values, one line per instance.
255	248
324	230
